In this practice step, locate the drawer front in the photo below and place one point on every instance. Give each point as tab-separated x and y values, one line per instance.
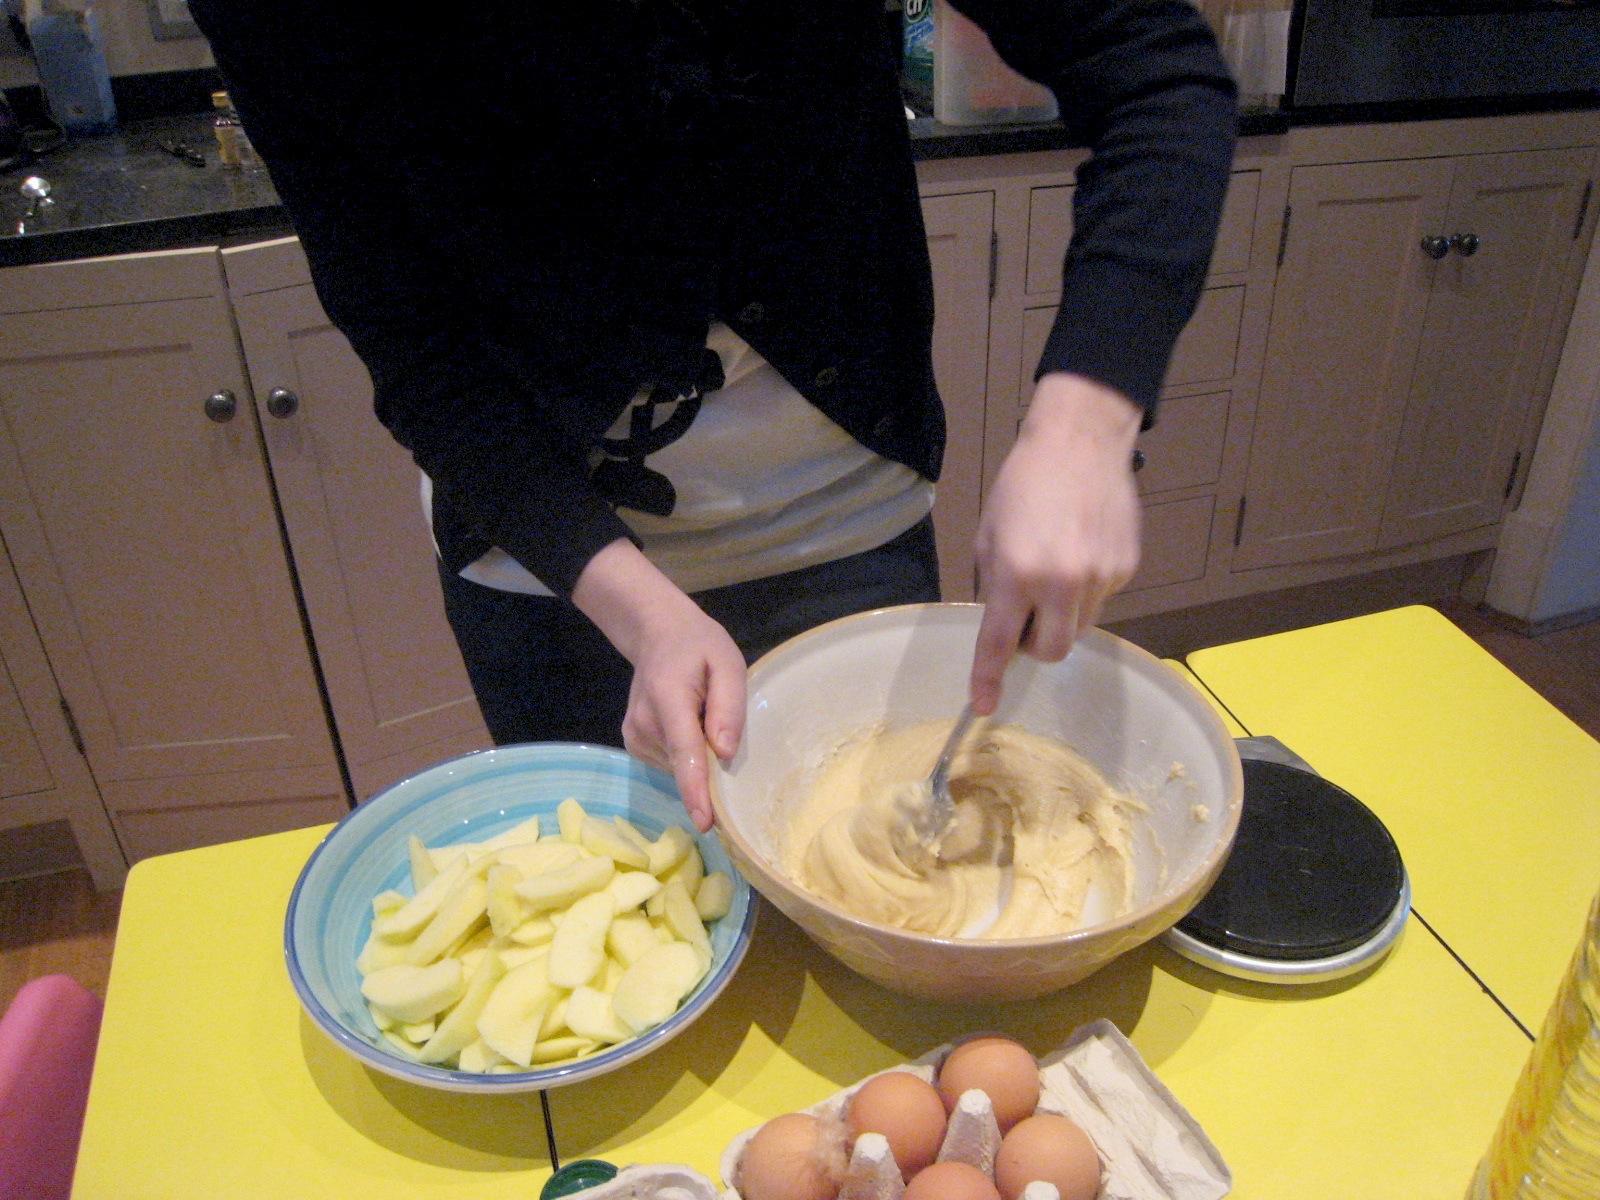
1174	540
1050	229
1185	448
1206	350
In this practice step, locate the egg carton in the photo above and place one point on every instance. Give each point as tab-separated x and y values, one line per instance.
1150	1147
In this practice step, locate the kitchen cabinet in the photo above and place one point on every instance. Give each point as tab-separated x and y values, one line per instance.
1399	388
139	514
44	780
960	232
398	690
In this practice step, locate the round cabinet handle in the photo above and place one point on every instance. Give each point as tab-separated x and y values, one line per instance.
281	403
1436	246
221	406
1465	244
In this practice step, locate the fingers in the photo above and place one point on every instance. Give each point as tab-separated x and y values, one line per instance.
725	704
998	634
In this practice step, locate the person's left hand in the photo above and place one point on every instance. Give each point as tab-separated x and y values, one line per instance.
1060	527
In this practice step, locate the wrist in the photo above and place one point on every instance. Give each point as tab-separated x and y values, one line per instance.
628	598
1082	412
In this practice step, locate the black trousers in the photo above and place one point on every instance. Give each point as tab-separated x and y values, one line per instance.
542	672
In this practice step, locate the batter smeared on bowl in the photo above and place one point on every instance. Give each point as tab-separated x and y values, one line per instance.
1040	844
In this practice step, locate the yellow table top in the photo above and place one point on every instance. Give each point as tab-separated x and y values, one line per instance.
210	1083
1388	1084
1492	795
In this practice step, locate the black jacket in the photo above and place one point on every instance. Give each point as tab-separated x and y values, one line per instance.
520	213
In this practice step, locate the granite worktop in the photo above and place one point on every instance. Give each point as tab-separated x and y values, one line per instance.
124	193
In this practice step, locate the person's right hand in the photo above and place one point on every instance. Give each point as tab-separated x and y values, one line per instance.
688	675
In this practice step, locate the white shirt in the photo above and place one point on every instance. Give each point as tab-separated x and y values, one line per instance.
765	481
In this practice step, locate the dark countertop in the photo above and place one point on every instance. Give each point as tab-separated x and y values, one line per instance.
122	193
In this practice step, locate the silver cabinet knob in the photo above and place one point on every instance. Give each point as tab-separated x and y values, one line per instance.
1465	244
221	406
282	403
1436	246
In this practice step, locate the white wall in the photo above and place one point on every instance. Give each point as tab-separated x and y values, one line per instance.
1548	563
131	47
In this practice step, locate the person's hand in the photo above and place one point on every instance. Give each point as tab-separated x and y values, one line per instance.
1060	527
688	688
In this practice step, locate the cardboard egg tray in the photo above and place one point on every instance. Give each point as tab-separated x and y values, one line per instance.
1150	1147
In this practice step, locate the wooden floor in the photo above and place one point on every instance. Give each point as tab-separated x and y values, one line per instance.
56	923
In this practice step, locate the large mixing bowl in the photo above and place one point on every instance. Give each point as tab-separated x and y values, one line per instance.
1147	730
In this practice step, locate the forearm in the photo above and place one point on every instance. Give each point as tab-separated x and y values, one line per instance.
629	599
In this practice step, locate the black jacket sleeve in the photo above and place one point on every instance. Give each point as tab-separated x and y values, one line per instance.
1144	86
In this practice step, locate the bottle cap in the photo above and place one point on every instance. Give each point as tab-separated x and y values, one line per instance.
577	1177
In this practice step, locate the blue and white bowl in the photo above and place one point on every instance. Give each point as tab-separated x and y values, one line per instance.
470	799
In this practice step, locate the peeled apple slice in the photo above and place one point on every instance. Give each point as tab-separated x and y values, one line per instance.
630	889
578	950
510	1020
457	914
565	885
668	850
684	919
651	989
589	1015
408	995
461	1025
419	910
599	838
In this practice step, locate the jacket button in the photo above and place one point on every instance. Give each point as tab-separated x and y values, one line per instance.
827	376
753	313
883	428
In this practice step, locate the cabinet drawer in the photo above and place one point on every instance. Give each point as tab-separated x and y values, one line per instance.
1185	447
1050	229
1175	537
1206	349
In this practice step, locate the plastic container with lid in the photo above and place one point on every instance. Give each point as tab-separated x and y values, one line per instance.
972	85
69	52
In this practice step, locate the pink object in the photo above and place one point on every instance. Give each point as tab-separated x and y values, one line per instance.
47	1042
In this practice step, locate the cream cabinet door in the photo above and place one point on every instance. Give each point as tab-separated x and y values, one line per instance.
960	229
1494	322
1347	318
400	695
145	536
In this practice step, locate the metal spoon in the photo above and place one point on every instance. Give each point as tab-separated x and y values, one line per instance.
931	820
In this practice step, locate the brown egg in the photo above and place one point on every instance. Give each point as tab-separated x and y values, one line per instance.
907	1111
950	1181
792	1157
1050	1148
998	1067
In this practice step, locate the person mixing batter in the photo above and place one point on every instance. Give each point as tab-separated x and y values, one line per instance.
644	288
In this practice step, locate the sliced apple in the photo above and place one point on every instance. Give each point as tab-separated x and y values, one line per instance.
684	919
599	838
535	931
589	1015
652	988
629	937
629	889
570	818
714	897
539	857
560	1049
460	1025
566	885
408	994
409	919
667	851
510	1020
578	950
457	914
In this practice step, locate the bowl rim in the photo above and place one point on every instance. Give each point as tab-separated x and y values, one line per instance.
442	1078
741	849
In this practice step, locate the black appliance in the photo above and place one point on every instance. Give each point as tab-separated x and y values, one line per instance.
1352	52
